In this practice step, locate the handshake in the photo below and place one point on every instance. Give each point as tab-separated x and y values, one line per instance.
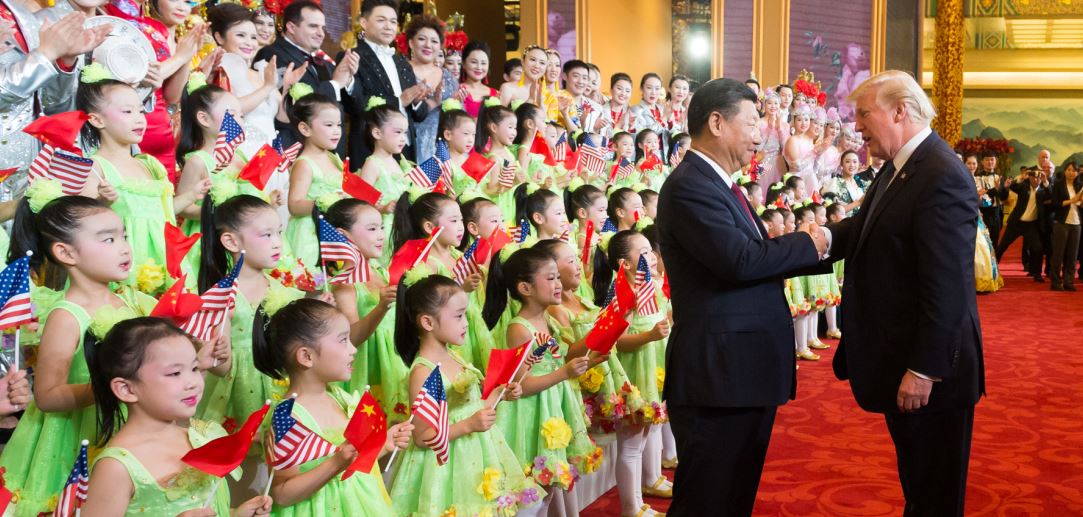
819	237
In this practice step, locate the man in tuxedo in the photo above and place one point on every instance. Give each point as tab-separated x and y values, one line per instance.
1030	190
875	164
382	73
302	37
730	356
911	341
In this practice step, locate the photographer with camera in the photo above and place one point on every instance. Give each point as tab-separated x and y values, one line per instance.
1031	188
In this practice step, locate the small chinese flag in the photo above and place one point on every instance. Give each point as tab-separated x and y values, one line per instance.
498	239
665	285
5	494
586	242
220	456
625	296
60	130
259	169
367	432
607	330
651	162
477	166
502	366
539	146
357	187
177	305
412	253
571	160
6	173
177	245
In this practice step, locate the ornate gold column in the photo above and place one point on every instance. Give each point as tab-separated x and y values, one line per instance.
948	70
878	40
771	41
718	8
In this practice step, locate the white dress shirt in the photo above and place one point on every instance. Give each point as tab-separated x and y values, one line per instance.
334	83
1030	214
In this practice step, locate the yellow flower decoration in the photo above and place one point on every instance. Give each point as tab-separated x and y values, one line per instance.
603	241
450	512
150	277
639	187
375	101
415	192
643	223
196	80
463	382
491	102
489	487
660	375
516	103
451	104
592	379
41	192
575	183
94	73
107	317
648	413
532	188
557	433
299	90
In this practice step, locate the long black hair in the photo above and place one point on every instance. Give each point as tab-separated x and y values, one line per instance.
526	205
426	297
526	111
90	98
581	198
227	217
489	115
375	118
472	214
411	217
620	246
191	133
617	199
58	221
301	322
503	280
121	354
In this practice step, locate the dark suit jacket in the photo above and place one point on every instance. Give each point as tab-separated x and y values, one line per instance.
909	295
317	75
371	80
1022	192
867	175
732	340
1059	194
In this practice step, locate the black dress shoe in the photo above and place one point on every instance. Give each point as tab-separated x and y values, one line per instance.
1038	278
1056	287
1069	287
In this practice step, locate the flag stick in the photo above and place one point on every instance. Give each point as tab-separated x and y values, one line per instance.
267	490
326	280
396	450
428	246
15	363
214	490
215	340
513	374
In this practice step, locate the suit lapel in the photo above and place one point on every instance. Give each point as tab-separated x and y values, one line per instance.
899	182
727	195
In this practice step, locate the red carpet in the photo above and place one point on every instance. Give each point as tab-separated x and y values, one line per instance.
828	457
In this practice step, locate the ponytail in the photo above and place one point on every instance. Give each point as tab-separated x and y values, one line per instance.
410	217
520	267
489	115
606	266
58	220
300	322
526	205
427	296
226	217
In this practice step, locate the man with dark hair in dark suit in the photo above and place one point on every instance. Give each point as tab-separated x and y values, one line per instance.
870	173
1031	190
299	44
730	358
382	73
911	341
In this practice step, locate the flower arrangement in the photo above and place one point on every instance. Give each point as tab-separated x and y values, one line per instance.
591	380
557	433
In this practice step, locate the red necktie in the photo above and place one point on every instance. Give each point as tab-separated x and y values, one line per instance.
322	56
744	202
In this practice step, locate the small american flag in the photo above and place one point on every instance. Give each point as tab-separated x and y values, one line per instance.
337	247
645	302
560	149
622	169
294	443
216	303
15	308
447	173
431	406
467	264
550	343
74	493
519	232
506	178
230	135
69	169
566	236
427	174
608	226
289	154
536	355
675	155
592	158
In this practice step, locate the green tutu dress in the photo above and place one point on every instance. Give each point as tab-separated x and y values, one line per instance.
482	475
230	399
188	490
377	363
795	296
603	387
145	205
506	199
821	291
361	495
39	456
645	372
391	184
325	190
548	430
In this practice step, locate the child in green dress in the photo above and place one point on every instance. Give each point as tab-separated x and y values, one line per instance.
482	474
385	130
496	131
459	130
625	208
547	426
587	203
83	240
147	380
835	212
802	309
369	308
136	187
316	177
308	344
545	211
